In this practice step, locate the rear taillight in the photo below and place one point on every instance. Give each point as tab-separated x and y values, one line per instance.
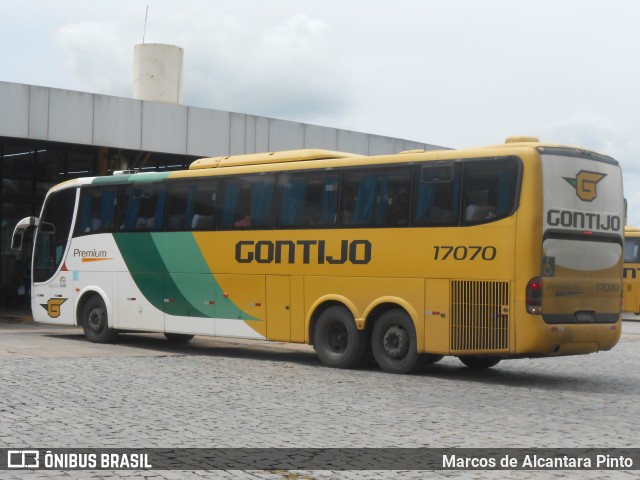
534	296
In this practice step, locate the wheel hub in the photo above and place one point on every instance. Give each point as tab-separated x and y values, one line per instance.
396	342
338	338
94	320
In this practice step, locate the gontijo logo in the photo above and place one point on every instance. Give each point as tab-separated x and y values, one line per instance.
585	184
53	306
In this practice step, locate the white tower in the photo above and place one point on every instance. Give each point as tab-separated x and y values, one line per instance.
157	72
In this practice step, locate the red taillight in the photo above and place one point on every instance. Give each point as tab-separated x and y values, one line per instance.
534	296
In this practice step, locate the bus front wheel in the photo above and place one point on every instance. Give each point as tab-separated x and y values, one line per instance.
474	361
95	321
337	340
394	342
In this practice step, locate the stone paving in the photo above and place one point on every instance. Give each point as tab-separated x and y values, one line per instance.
60	391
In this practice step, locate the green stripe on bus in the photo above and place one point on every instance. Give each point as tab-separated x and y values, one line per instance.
169	266
135	178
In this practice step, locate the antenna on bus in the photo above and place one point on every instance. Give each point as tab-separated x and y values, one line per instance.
144	31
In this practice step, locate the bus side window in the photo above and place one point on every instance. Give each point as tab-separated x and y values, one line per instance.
97	211
291	194
489	190
191	205
396	213
374	197
307	199
202	212
329	204
177	206
229	208
247	201
262	196
142	208
436	196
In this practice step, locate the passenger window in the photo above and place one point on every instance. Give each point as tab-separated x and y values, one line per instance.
191	205
307	199
436	197
489	191
141	208
97	211
376	197
247	201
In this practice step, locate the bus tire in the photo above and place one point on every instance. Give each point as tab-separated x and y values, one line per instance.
95	321
337	340
476	361
394	342
178	337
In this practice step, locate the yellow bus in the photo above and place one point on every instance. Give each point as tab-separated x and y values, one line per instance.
631	270
507	251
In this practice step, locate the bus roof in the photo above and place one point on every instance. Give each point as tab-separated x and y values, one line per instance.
318	154
269	157
309	156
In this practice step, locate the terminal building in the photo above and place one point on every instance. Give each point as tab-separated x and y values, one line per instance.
49	135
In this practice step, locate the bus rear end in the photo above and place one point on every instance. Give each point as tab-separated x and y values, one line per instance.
578	294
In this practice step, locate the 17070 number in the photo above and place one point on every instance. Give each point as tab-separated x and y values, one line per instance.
473	252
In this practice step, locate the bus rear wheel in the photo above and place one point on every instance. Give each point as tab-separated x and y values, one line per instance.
178	337
394	342
337	340
95	321
475	361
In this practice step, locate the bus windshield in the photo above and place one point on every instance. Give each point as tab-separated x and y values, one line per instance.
632	250
53	234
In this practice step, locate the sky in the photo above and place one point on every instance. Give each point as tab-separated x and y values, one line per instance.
453	73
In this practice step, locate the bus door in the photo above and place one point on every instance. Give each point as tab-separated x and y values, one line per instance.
278	308
582	238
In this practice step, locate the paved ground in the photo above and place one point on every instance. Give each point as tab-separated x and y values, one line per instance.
58	391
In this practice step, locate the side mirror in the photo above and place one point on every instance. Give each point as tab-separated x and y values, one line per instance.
18	232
